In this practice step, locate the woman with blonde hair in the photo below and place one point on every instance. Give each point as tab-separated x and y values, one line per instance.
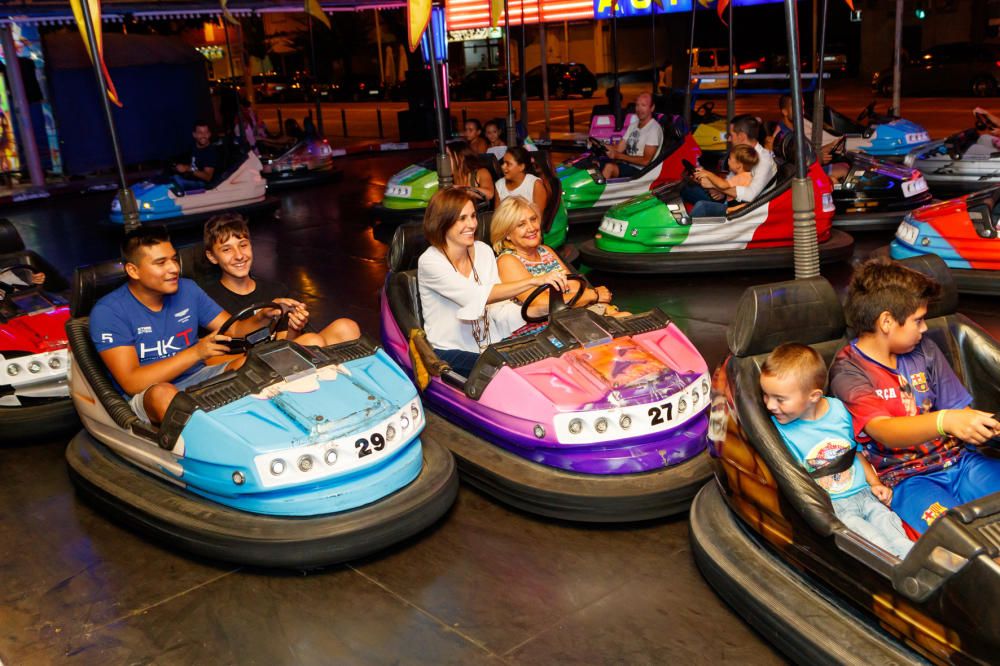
516	235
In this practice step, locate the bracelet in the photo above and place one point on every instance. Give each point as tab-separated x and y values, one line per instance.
940	423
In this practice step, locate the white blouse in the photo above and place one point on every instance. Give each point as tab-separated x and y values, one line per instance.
451	302
526	189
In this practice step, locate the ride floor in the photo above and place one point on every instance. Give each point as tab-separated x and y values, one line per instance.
487	585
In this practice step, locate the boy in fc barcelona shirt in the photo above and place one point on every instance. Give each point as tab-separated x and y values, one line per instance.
910	411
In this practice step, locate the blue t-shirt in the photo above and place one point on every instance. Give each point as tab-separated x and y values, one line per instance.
120	320
815	443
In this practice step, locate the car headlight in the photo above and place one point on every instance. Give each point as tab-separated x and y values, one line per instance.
907	233
277	466
34	367
610	225
13	369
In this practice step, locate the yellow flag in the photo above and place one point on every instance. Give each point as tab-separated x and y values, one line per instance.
314	10
95	16
496	9
226	14
418	14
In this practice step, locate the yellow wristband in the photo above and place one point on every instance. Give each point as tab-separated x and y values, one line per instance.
940	423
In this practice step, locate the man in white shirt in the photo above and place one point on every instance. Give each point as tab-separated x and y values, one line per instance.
639	144
743	130
836	171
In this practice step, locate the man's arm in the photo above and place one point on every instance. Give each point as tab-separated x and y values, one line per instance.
648	153
968	425
762	174
134	378
262	318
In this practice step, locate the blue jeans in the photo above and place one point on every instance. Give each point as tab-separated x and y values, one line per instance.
864	514
709	209
185	184
921	498
461	361
693	193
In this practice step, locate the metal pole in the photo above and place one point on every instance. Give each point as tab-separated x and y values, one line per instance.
806	251
315	76
21	110
378	43
897	65
511	130
731	93
130	211
652	46
687	88
521	71
616	102
229	48
815	26
445	179
819	97
545	75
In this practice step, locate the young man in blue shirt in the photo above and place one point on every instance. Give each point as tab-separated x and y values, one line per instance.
146	330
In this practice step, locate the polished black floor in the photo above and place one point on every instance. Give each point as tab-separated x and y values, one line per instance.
486	585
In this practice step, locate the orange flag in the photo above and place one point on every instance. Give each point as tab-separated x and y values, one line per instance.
721	9
496	9
418	15
95	15
313	9
850	3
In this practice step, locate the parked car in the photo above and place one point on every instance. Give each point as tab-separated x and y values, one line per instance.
712	67
959	68
481	84
565	79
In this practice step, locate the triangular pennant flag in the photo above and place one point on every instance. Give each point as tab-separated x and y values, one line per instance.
95	15
418	15
496	10
850	3
226	13
313	9
721	9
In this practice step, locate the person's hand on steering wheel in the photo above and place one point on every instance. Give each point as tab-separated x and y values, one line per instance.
556	302
555	279
597	148
211	346
298	315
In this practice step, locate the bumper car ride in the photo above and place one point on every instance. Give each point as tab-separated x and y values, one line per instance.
654	233
303	457
876	194
242	189
710	132
34	391
958	164
767	539
964	233
594	419
588	195
308	162
886	137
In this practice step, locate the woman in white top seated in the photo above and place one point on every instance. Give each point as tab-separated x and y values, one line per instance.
519	179
465	306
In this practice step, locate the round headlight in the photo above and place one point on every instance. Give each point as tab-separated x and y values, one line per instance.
625	421
55	362
539	431
277	466
305	463
13	369
414	412
704	386
601	425
575	427
238	478
695	396
404	422
682	406
34	367
390	433
330	456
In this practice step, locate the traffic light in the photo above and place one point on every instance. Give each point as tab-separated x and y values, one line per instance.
920	13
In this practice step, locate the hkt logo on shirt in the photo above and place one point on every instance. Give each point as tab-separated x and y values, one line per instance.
166	348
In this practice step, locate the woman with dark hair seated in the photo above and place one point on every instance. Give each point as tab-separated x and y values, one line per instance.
519	179
465	306
466	171
493	133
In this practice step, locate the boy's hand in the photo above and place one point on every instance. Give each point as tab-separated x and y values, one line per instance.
970	425
212	345
37	278
882	493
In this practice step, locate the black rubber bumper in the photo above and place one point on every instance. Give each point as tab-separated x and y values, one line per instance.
780	603
183	520
397	215
22	424
839	247
555	493
303	178
869	221
592	215
977	281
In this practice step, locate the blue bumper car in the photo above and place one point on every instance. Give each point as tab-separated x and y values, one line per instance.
303	457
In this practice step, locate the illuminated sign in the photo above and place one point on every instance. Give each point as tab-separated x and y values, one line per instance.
626	8
474	34
469	14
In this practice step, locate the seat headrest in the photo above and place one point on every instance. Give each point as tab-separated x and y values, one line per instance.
10	240
195	265
408	243
92	282
806	311
934	267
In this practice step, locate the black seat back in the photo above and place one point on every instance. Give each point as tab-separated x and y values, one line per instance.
10	240
54	282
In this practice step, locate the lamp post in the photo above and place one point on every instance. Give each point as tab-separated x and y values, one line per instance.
511	130
445	179
819	98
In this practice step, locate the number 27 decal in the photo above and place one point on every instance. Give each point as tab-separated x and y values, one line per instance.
365	448
656	413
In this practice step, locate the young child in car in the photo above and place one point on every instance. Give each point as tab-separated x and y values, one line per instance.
742	160
817	431
911	413
227	245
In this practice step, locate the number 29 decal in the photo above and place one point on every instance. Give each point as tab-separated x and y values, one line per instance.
366	448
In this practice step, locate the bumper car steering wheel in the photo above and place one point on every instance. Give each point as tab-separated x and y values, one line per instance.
23	272
866	112
705	112
556	302
597	148
262	334
983	122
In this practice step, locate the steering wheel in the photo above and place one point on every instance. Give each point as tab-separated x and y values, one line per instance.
556	302
983	122
22	272
688	173
596	147
705	110
840	148
262	334
867	112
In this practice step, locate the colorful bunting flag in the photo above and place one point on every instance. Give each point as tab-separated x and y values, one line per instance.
496	10
721	9
418	15
313	9
226	13
95	15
